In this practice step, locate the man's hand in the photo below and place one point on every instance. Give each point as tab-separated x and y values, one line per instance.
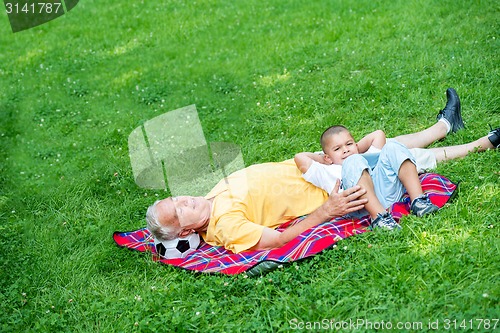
339	204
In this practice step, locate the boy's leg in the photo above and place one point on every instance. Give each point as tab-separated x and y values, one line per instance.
374	207
449	119
420	203
426	159
409	177
452	152
395	172
424	138
355	171
388	186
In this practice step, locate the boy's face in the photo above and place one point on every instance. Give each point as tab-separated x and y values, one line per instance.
339	146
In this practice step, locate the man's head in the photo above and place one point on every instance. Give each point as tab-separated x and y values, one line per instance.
178	216
338	143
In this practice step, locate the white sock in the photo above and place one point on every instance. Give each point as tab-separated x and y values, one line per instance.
447	123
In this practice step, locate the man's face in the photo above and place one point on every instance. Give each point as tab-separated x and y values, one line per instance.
184	211
339	146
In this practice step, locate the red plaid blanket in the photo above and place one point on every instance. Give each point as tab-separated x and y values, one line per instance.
210	259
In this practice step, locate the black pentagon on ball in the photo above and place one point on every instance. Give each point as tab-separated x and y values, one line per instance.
160	249
182	245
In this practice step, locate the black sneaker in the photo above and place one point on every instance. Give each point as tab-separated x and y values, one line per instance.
451	111
422	206
494	137
385	221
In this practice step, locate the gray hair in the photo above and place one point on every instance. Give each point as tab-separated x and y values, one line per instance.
158	230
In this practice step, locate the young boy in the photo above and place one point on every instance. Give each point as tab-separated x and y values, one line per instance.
319	170
385	174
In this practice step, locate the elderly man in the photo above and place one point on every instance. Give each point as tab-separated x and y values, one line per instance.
242	210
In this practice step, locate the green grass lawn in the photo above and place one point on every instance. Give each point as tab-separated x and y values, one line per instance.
269	77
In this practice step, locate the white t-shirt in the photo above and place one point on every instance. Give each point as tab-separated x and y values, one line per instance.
324	176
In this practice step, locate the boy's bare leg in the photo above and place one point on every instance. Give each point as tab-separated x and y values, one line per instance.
373	206
449	120
452	152
420	204
424	138
409	177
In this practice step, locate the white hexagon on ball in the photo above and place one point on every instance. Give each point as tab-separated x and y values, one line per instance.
177	248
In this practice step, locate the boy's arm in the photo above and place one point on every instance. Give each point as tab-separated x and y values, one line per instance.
305	159
376	139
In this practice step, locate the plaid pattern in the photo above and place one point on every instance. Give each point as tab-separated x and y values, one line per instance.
211	259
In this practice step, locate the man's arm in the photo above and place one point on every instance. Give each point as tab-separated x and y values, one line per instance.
338	204
376	139
305	159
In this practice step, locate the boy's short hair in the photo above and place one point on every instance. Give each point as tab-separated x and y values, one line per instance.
332	130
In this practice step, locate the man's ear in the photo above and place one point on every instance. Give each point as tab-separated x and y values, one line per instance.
185	232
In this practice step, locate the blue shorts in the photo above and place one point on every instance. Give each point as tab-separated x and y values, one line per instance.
383	170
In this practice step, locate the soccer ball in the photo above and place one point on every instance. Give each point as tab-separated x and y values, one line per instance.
178	247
